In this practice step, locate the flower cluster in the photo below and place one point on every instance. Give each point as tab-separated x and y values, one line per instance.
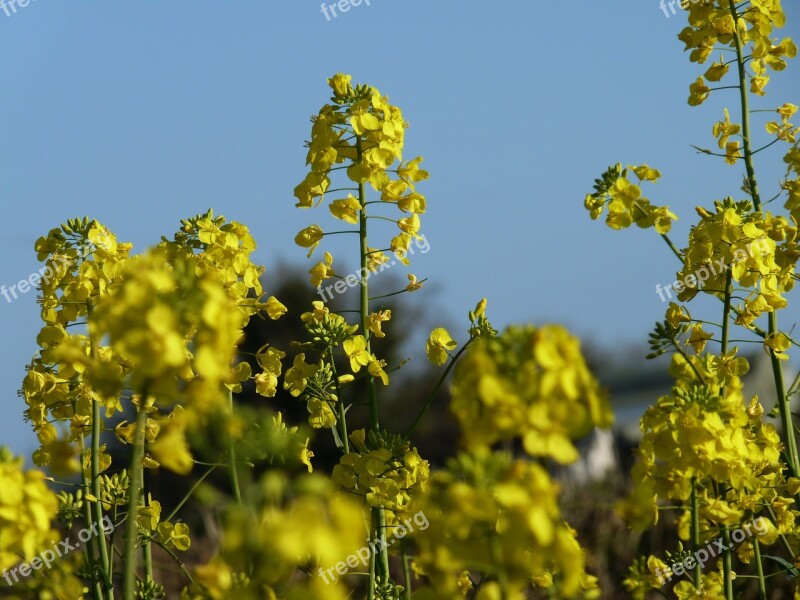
760	249
361	131
626	204
706	434
529	383
792	160
390	475
27	508
705	452
513	531
71	371
714	25
174	329
307	524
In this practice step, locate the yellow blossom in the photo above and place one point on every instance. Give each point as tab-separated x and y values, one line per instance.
375	321
438	345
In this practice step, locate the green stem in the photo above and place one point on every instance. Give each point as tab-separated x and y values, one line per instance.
783	538
384	554
672	247
134	492
727	564
698	570
147	550
726	311
406	571
762	584
745	106
342	416
727	570
688	362
777	370
784	403
497	559
371	591
189	494
177	560
397	293
436	388
147	554
104	556
234	473
378	514
87	517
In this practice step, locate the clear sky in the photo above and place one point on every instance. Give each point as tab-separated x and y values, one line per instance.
139	114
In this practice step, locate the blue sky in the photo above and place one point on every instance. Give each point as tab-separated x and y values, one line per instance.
139	114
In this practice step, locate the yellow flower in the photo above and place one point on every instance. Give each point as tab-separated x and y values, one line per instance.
356	349
170	447
410	172
340	84
464	583
677	314
528	383
318	314
699	91
309	237
314	185
758	83
60	456
727	367
175	535
594	205
786	111
626	205
375	368
376	319
275	309
322	270
375	258
410	224
298	375
321	415
413	203
646	173
779	343
722	130
698	338
27	509
413	285
306	455
346	210
266	384
438	345
732	152
515	501
150	515
717	70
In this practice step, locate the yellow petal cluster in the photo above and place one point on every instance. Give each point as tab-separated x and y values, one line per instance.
495	517
530	383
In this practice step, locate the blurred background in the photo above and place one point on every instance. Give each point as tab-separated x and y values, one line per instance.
139	114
